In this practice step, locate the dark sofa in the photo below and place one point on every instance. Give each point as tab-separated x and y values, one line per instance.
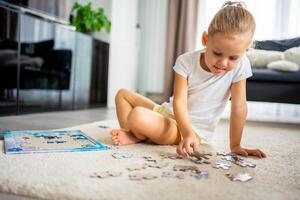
41	66
267	85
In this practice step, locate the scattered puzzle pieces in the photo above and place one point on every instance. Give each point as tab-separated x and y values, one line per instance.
180	171
235	159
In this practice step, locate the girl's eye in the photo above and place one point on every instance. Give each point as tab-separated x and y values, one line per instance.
233	58
217	54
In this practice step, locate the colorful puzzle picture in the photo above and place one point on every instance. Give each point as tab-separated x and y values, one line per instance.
18	142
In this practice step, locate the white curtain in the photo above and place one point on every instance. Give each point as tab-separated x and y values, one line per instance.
275	19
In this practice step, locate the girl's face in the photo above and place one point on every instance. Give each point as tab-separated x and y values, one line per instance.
223	53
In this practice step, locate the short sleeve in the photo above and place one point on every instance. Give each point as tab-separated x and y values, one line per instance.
182	65
243	70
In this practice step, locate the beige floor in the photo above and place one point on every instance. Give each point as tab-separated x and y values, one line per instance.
276	177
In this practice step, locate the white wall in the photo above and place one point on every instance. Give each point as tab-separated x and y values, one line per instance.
122	71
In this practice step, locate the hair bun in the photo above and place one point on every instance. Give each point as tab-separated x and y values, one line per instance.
234	3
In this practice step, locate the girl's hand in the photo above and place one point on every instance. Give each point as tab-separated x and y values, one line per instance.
188	145
248	152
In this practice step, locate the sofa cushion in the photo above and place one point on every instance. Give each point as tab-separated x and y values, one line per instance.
269	75
260	58
293	55
283	65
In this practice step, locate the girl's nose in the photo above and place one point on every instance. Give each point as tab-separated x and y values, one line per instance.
223	63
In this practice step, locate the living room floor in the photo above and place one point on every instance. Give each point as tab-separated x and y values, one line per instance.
54	120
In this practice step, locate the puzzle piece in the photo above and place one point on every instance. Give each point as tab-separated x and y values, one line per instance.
221	166
222	153
199	161
179	175
186	168
245	164
201	155
141	176
232	158
242	177
136	167
149	159
157	165
201	175
170	156
106	174
200	158
122	155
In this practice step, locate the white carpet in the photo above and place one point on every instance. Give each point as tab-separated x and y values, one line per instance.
66	175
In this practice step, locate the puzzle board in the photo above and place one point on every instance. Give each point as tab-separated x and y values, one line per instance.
17	142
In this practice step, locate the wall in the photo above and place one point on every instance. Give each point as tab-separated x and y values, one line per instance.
123	48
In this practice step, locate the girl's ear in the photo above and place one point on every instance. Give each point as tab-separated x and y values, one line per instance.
204	38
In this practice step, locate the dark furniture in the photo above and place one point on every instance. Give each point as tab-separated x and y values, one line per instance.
267	85
41	66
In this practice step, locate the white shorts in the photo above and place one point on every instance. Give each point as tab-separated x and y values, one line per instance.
161	109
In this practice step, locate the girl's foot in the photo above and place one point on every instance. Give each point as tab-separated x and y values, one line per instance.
123	137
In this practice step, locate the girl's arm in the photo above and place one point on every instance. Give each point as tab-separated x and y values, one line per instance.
190	141
237	120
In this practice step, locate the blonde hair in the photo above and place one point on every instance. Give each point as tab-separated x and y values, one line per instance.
232	18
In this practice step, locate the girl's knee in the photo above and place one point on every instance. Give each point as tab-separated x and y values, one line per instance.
136	118
120	93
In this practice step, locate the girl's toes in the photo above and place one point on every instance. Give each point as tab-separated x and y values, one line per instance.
115	141
114	132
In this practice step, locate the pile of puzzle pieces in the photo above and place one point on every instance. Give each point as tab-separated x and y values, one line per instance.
136	171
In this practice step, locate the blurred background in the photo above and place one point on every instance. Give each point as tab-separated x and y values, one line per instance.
46	64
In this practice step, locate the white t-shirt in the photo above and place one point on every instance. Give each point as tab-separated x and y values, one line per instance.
207	93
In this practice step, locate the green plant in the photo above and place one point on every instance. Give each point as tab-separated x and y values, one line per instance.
85	19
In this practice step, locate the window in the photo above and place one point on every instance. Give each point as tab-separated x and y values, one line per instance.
275	19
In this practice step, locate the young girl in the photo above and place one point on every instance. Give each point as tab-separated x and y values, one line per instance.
204	82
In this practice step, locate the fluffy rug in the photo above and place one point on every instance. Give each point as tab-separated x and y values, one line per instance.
67	175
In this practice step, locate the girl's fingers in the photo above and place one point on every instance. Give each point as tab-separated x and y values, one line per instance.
180	149
263	154
242	152
256	152
195	147
189	149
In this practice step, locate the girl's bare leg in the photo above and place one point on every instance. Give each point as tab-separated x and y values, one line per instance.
139	122
146	124
126	101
